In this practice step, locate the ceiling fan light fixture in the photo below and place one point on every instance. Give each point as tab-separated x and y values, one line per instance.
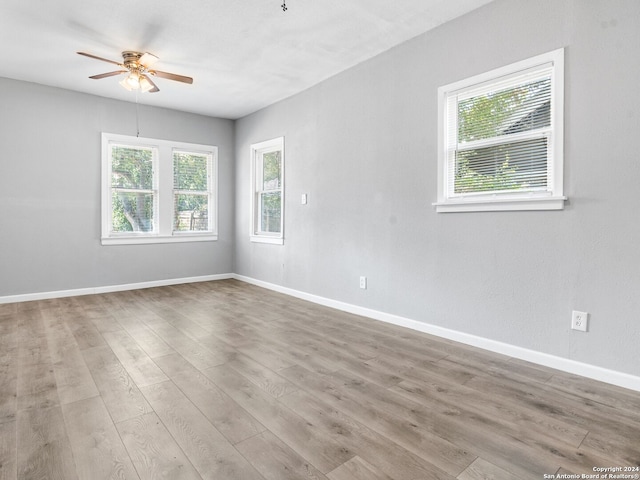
124	84
145	84
133	80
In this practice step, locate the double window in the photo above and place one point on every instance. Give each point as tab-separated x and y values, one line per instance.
157	191
267	187
500	138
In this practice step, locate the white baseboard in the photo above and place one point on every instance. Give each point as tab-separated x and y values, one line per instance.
613	377
28	297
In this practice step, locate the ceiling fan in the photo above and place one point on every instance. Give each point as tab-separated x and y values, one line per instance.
137	67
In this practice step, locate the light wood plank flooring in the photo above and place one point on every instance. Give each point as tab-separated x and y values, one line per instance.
224	380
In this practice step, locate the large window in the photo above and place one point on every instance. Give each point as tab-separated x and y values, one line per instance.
157	191
267	187
500	138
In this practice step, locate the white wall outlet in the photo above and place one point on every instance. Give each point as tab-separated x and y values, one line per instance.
579	320
363	283
303	199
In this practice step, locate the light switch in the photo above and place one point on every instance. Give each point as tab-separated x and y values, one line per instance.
304	199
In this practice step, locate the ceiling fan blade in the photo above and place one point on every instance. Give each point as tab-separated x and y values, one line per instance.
109	74
172	76
154	87
99	58
148	59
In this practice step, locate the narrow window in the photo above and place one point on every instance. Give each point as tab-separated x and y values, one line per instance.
267	202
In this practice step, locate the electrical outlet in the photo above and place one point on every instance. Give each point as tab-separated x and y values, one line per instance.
363	283
579	320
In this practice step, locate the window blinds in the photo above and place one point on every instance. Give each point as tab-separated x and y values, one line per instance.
498	135
191	189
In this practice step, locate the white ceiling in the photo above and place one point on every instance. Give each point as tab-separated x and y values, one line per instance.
242	54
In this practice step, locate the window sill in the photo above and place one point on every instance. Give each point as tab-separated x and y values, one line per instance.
148	239
271	240
500	204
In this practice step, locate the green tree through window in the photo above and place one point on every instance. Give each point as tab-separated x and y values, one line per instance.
510	165
271	197
132	189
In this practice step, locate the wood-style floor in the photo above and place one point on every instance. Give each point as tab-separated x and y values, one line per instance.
224	380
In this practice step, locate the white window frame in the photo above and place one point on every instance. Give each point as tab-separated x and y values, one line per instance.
257	151
163	189
551	199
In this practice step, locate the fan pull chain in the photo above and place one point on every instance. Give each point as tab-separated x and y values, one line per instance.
284	5
137	117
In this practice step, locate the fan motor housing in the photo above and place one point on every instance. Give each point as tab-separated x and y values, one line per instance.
132	61
130	56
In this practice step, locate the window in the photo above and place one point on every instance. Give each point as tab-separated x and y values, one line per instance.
157	191
267	191
501	138
191	191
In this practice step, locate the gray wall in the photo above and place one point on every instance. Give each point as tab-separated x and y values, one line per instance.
50	192
363	146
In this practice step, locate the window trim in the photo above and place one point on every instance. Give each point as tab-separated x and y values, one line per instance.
553	198
257	149
163	185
